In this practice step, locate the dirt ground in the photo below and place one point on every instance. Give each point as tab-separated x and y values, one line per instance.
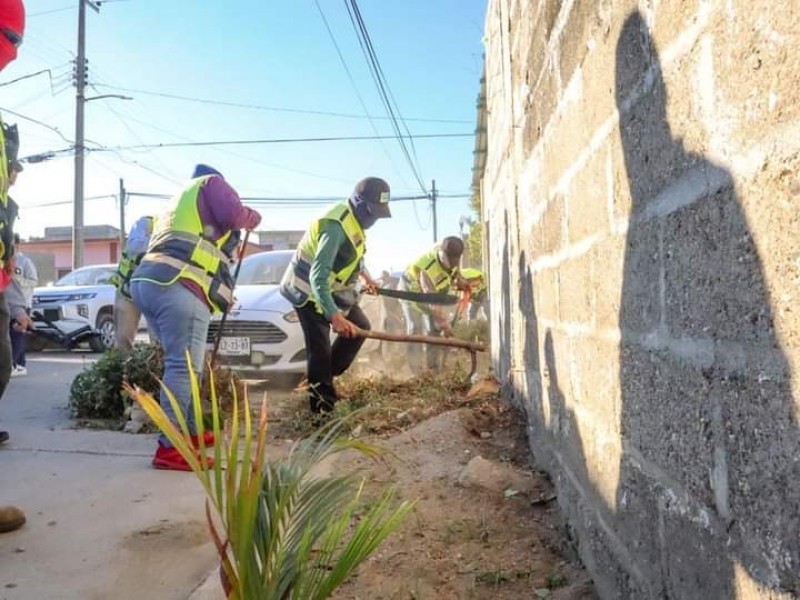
486	523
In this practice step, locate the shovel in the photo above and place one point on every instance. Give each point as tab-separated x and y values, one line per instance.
213	359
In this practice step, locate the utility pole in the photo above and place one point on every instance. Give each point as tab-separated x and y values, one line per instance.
433	210
122	201
80	83
80	101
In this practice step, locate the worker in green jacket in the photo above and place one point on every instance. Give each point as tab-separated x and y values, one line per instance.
436	271
321	283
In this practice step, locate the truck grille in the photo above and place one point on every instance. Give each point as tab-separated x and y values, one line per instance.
259	332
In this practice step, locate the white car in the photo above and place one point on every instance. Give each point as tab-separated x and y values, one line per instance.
261	337
80	297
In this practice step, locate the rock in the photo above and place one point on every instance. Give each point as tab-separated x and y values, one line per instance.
138	419
495	477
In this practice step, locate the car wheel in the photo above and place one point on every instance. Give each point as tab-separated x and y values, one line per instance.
105	328
35	343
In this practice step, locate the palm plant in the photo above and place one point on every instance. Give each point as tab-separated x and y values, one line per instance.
281	532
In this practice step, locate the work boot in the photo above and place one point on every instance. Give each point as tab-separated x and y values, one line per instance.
3	437
11	518
170	459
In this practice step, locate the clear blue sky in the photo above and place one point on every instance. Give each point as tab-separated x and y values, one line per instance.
255	52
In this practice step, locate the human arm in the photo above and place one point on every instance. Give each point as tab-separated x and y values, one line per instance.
138	237
331	238
16	305
370	284
226	208
437	313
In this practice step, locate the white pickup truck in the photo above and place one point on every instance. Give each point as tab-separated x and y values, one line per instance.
80	297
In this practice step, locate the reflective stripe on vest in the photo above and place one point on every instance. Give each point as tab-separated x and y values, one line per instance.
179	250
429	262
296	281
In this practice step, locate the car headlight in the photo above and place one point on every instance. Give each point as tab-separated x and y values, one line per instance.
83	296
291	317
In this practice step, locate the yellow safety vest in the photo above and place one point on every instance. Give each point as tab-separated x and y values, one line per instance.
429	262
475	279
296	286
180	250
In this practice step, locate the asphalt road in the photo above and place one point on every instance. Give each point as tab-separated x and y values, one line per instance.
101	522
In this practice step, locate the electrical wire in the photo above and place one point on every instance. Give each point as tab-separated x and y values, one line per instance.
381	84
238	155
131	131
344	138
51	11
355	89
262	107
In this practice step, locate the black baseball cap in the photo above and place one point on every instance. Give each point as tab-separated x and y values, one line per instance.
375	192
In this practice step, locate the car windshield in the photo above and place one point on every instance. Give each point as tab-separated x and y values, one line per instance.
86	276
265	268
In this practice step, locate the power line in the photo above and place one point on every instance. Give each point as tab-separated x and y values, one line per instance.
355	89
352	138
32	120
151	125
380	82
301	111
53	10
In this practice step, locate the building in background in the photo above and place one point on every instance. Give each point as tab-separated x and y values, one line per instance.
54	249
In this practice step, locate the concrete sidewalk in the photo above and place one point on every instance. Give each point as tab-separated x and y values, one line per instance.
101	522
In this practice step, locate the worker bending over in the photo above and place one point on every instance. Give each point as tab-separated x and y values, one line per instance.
436	271
184	277
321	284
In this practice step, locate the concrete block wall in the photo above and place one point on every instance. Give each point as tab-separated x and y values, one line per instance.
642	188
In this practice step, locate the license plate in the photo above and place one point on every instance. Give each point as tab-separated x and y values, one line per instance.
234	346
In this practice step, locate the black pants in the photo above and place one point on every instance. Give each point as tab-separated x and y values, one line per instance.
326	361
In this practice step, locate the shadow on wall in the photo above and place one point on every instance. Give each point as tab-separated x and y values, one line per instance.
504	360
707	408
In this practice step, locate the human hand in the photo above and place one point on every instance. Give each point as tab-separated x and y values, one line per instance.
371	286
22	322
342	326
11	265
253	220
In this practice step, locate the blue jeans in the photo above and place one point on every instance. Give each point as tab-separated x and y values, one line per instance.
179	320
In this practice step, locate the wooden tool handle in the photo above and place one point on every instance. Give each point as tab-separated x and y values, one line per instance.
424	339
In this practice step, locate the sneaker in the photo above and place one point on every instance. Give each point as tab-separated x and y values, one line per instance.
171	460
208	439
17	371
11	518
